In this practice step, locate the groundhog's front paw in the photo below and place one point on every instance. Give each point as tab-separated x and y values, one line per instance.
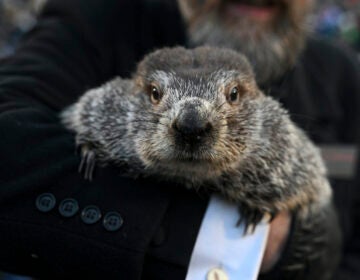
88	160
251	217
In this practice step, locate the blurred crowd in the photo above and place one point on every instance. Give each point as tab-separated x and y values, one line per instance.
338	20
16	18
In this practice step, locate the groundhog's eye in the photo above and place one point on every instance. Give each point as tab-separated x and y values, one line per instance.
234	95
155	94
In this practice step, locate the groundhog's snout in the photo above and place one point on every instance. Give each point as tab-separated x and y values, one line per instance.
192	125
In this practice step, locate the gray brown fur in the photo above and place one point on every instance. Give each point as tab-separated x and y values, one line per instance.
253	155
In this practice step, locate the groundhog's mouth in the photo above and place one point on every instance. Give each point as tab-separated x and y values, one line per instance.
192	165
193	160
193	157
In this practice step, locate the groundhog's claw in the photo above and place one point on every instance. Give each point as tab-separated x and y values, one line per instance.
88	161
252	217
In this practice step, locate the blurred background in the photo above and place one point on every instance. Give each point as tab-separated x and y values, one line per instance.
16	18
333	19
337	20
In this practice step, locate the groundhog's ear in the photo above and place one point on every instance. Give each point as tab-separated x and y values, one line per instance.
259	93
139	82
256	91
140	71
249	84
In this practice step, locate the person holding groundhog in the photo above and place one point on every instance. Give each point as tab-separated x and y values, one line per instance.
55	224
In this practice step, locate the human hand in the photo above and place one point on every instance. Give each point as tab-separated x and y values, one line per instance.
278	235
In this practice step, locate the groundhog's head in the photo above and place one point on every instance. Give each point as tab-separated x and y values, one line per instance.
199	112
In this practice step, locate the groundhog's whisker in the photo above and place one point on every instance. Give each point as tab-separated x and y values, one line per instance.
157	122
220	106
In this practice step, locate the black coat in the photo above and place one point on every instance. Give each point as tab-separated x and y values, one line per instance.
80	44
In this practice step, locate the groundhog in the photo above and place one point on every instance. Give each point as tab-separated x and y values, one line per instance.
198	117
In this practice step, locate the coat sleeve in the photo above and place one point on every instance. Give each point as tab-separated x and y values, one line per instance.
72	48
62	57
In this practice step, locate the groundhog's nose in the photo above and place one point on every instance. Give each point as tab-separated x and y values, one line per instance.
191	126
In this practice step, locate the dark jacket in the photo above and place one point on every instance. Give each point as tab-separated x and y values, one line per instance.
80	44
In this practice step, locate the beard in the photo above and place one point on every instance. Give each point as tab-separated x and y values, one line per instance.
272	46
